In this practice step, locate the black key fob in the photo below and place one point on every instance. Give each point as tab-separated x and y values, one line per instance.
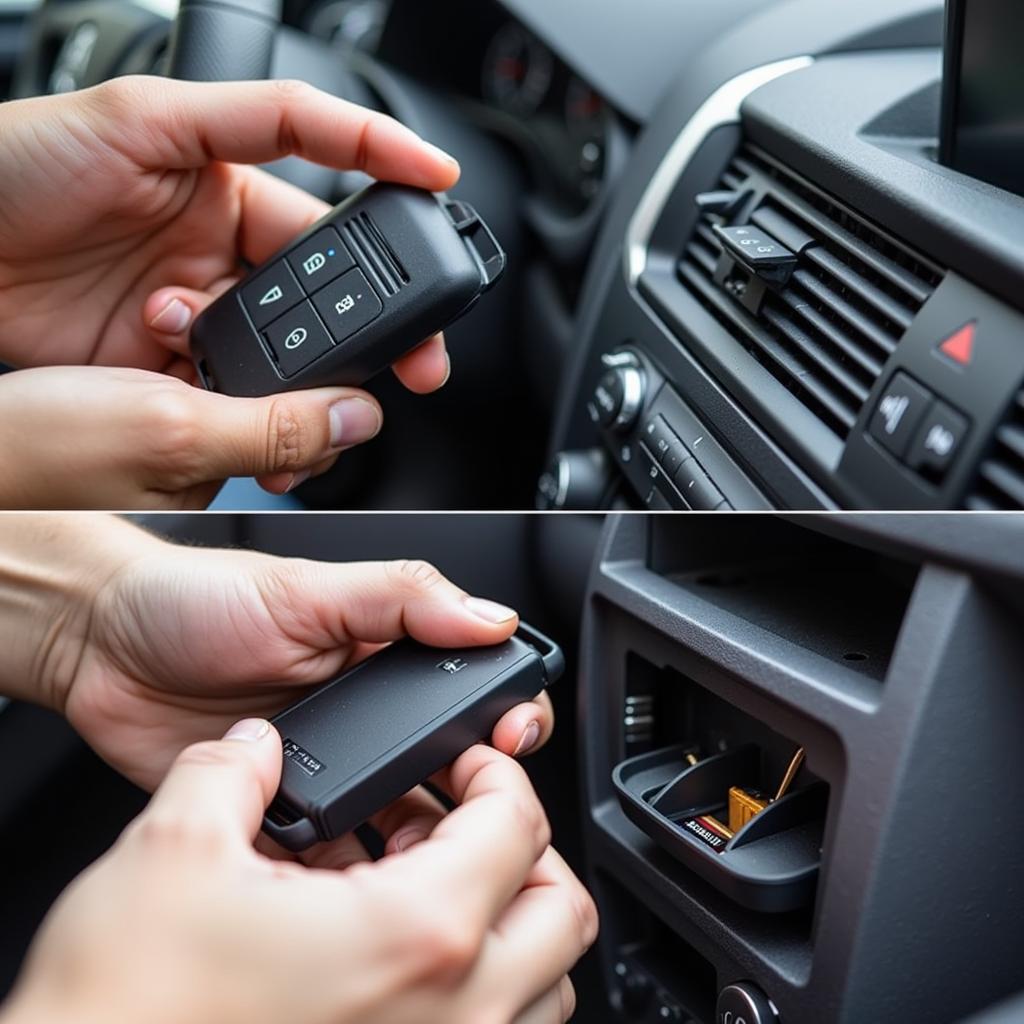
362	740
382	272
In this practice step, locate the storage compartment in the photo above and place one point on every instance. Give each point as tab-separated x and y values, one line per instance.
843	602
721	792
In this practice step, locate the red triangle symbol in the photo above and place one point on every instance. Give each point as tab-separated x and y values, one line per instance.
960	346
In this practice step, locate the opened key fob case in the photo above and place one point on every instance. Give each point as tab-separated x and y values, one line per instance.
359	742
382	272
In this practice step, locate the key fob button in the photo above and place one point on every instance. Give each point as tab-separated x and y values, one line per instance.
320	260
348	305
297	339
270	294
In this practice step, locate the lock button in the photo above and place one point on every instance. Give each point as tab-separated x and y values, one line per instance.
297	339
320	259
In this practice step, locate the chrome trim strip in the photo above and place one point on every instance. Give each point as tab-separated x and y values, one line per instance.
563	482
721	107
632	397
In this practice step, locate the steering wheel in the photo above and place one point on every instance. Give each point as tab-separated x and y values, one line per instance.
223	40
76	44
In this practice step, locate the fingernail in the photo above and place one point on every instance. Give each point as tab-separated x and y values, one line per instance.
298	479
353	421
528	740
441	154
448	372
249	730
489	611
410	838
173	318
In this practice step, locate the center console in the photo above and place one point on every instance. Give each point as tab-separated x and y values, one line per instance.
882	886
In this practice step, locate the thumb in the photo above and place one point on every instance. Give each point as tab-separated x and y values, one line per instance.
221	787
378	602
281	434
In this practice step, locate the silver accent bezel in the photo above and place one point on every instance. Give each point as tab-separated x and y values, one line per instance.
633	383
722	107
563	482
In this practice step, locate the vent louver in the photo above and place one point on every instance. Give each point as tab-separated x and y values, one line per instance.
1000	483
855	292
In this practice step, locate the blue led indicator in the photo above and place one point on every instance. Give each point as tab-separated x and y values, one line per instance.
330	252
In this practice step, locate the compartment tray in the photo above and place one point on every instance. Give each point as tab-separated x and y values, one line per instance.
769	865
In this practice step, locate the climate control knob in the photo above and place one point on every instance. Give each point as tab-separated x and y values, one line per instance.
744	1003
619	396
577	481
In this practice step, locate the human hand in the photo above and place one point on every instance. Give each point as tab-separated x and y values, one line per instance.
126	210
184	921
94	437
180	642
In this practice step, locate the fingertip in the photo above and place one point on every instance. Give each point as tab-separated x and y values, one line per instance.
283	483
405	839
249	730
167	312
426	368
439	168
524	729
492	613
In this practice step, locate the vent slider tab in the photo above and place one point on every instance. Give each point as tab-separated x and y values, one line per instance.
761	254
724	203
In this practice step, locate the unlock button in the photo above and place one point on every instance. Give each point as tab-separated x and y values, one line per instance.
297	339
348	305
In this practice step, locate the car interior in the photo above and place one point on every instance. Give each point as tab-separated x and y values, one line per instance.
628	158
859	673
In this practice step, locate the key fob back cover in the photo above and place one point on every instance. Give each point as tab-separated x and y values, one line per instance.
382	272
359	742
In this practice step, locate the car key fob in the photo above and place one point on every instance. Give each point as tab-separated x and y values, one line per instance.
381	273
359	742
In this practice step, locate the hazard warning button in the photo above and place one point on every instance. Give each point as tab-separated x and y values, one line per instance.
959	346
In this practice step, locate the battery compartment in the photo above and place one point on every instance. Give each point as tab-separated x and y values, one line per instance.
678	792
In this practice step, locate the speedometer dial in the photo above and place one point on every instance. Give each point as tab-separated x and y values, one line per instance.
518	70
586	120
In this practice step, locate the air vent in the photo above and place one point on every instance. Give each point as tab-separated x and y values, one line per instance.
366	240
1000	484
829	333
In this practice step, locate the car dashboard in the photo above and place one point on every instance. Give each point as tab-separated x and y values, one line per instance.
795	305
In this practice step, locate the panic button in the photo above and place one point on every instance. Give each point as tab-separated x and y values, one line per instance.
899	413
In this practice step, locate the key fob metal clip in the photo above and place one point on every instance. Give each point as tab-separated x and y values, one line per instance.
363	739
382	272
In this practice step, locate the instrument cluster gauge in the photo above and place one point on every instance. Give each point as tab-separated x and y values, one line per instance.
518	71
587	118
